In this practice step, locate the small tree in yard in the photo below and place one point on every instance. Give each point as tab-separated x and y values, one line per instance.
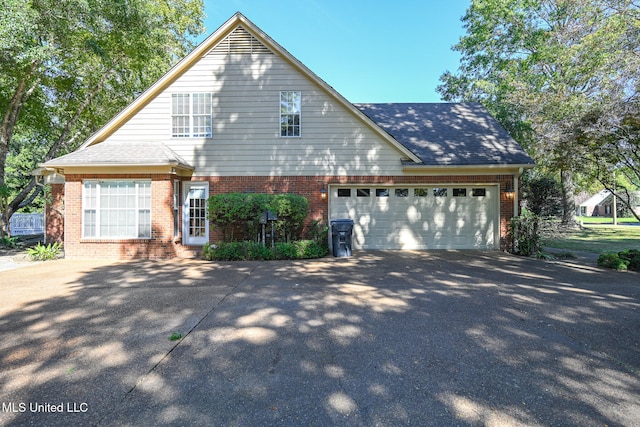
525	233
543	196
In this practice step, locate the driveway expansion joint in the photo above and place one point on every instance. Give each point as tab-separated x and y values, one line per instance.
166	356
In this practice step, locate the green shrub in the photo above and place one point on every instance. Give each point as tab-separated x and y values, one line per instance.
632	256
205	251
43	253
291	209
525	232
310	249
624	260
319	232
9	242
237	251
286	250
238	214
228	251
256	251
612	261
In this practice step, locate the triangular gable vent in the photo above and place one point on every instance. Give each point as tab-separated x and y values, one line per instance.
240	41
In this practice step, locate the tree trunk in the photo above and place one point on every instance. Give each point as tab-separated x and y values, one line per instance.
568	200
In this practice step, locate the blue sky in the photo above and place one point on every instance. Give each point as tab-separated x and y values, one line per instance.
369	51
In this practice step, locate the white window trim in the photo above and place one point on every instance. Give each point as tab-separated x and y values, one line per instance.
176	208
191	114
280	114
98	213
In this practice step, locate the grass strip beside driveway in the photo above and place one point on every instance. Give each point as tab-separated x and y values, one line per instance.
597	239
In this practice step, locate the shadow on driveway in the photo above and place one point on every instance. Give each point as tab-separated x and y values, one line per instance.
387	338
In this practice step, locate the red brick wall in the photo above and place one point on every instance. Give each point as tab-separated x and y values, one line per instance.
310	186
162	243
54	215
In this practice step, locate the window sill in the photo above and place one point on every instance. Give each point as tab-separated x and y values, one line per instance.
181	138
116	240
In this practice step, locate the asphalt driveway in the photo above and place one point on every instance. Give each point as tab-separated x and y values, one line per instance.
381	338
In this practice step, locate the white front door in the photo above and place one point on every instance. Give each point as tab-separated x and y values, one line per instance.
195	226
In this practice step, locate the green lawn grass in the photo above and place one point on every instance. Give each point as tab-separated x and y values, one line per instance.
597	238
603	220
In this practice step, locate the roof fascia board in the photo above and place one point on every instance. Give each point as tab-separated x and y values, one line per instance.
120	169
466	169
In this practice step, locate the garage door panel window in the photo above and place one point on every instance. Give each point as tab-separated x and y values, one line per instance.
479	192
420	192
440	192
344	192
459	192
402	192
363	192
382	192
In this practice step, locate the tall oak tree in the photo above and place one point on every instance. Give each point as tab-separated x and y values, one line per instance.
542	66
67	66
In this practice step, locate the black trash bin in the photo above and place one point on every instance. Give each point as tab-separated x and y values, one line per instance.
341	231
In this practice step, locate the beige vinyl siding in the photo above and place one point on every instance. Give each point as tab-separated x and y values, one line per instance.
246	130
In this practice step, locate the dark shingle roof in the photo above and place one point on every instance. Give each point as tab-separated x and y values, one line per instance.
449	134
121	154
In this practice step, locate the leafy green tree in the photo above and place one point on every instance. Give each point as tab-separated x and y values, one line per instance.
238	214
612	145
540	66
542	196
67	66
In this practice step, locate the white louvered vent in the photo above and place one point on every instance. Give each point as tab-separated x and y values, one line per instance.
240	41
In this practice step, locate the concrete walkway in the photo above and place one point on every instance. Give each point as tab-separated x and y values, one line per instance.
381	338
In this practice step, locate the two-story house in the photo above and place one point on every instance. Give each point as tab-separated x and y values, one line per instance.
241	114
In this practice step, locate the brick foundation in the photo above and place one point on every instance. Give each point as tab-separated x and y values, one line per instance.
162	243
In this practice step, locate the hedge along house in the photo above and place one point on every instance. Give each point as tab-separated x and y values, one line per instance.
241	114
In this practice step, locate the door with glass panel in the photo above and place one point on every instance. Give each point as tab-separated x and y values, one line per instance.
195	224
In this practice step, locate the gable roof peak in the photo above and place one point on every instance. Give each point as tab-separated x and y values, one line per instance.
238	19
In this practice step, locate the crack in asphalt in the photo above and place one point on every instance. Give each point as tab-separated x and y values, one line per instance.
177	344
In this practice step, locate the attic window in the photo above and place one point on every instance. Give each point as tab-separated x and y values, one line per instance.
290	106
191	115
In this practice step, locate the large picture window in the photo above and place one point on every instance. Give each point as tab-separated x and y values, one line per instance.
191	115
116	209
290	111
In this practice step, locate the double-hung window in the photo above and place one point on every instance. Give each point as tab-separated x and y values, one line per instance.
116	209
191	115
290	112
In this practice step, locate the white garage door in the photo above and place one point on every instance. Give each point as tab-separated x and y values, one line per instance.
419	217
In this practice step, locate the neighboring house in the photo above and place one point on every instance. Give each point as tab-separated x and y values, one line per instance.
597	205
601	204
241	114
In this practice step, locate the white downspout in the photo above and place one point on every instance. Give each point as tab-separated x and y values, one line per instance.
516	192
